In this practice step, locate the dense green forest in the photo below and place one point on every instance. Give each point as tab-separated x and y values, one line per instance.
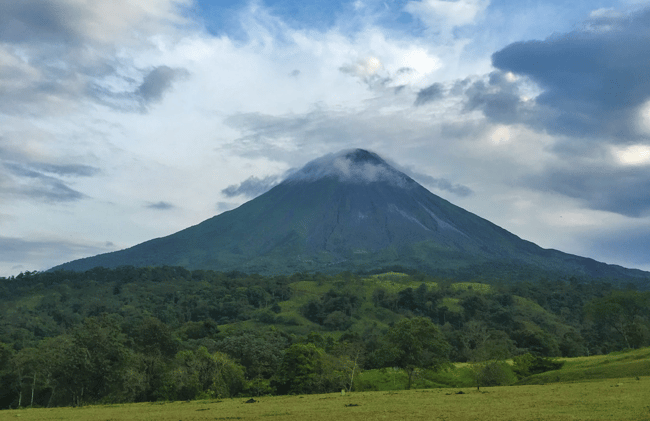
145	334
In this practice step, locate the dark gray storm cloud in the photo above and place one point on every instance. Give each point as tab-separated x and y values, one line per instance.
48	189
157	82
160	205
37	87
38	36
252	186
592	83
68	170
51	55
593	79
619	190
38	169
629	246
42	20
49	252
499	99
15	249
152	89
33	180
429	94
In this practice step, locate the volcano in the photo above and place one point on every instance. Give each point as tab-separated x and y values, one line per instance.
352	211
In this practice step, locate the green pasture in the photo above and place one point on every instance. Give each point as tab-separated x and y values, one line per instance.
631	364
475	286
610	399
602	387
387	379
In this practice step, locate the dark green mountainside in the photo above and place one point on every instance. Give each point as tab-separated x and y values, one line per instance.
354	212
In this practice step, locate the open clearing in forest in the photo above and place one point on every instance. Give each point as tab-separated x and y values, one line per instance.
609	399
617	364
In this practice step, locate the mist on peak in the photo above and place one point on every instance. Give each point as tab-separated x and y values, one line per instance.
359	156
357	166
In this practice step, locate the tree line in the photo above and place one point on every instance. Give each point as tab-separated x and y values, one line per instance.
146	334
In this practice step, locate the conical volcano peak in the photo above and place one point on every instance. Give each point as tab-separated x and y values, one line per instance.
357	166
362	156
353	211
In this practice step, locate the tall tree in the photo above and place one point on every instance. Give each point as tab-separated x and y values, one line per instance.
305	368
9	378
415	343
198	374
155	348
623	314
259	351
488	349
102	346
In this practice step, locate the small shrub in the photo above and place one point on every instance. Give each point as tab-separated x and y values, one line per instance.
258	387
528	364
287	320
337	321
265	316
494	373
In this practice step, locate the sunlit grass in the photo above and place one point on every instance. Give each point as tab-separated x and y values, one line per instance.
474	286
631	364
614	399
575	392
452	304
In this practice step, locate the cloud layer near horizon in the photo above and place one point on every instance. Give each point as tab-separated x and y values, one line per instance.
125	121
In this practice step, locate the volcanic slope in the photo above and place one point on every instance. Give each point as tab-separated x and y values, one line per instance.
353	211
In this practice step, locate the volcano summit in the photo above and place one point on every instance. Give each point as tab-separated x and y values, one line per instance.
353	211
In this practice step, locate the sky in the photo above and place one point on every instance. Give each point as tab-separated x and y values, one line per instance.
129	120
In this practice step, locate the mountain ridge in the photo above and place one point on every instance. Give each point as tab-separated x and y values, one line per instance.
352	211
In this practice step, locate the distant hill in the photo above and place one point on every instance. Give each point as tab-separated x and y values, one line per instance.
352	211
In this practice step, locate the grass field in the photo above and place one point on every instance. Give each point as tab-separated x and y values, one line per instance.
460	375
629	364
617	364
611	399
603	387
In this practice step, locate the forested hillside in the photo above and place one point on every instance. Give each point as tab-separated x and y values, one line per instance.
144	334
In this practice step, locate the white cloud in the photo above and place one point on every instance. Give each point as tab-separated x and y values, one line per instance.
363	68
643	119
605	12
57	54
633	155
93	21
501	134
447	14
353	166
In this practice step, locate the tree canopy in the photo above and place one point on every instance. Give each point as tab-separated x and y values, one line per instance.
415	343
144	334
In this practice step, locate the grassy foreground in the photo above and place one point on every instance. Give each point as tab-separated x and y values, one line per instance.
610	399
631	363
617	364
